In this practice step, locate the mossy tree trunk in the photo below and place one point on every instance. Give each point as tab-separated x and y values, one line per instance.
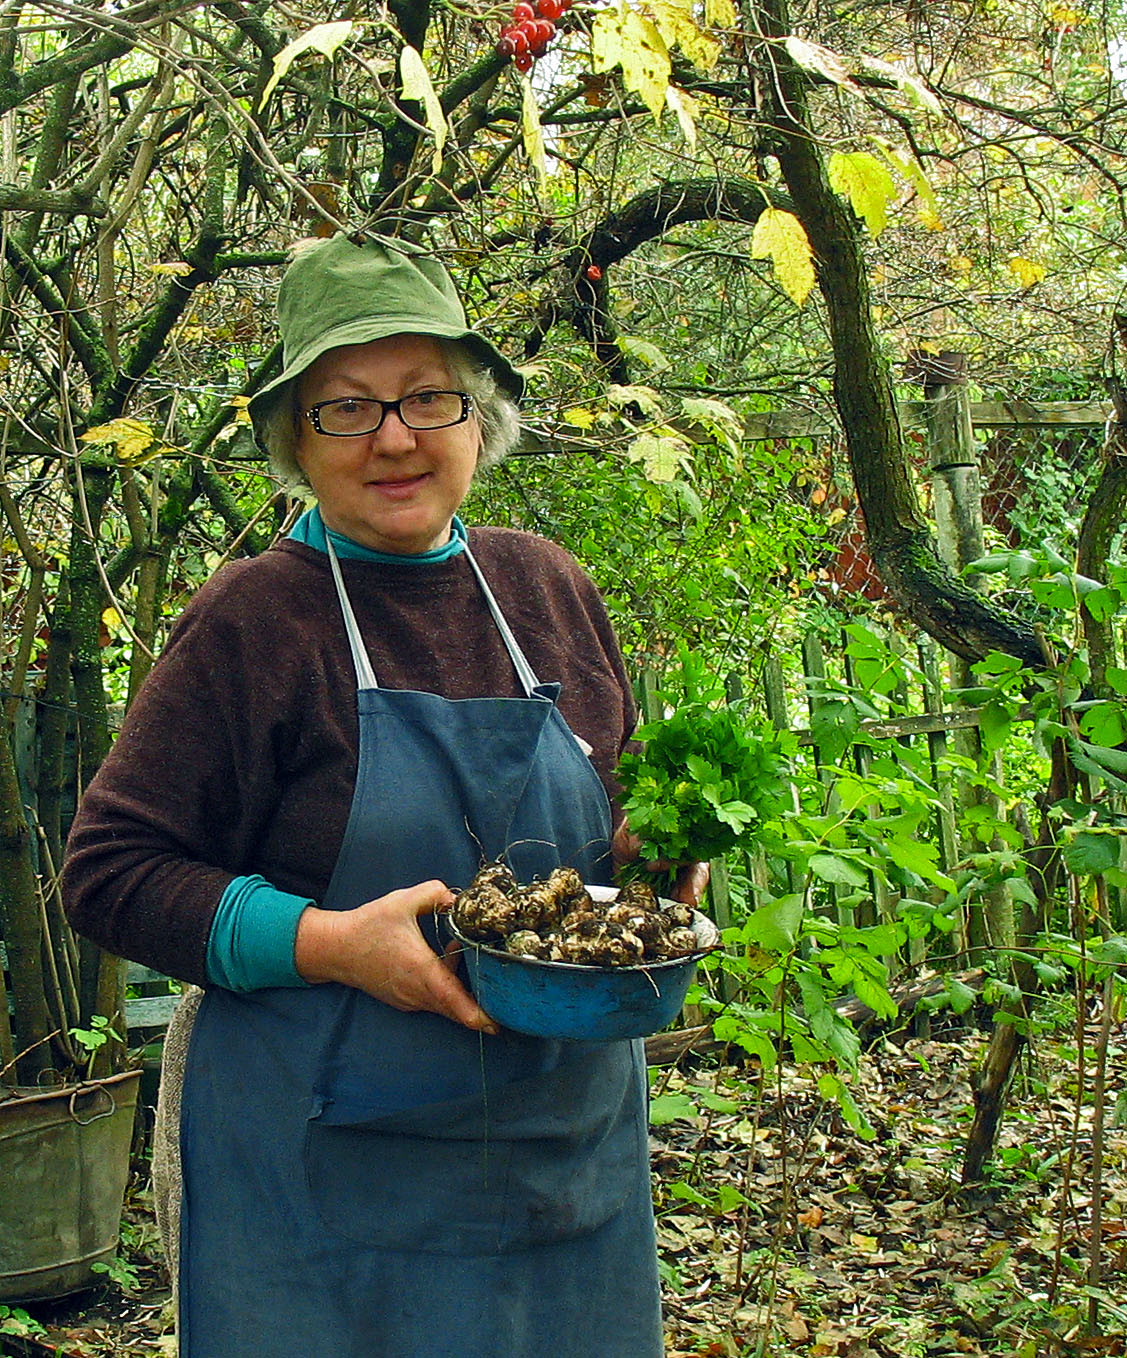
899	537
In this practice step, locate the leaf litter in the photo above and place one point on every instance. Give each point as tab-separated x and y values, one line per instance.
782	1232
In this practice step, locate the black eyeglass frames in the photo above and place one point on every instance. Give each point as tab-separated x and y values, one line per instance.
351	416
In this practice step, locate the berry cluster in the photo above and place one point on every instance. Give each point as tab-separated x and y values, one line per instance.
533	27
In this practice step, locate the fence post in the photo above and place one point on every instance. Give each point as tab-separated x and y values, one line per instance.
955	485
957	498
814	673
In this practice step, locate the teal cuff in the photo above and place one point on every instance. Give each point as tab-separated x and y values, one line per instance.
251	943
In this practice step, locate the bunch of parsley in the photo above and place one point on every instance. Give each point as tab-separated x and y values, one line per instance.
704	778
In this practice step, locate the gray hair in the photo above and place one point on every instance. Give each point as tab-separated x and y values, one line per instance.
496	414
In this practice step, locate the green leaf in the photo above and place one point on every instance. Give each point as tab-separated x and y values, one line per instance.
717	1102
323	38
774	926
833	1089
961	996
728	1198
1103	603
666	1108
1101	762
1104	724
687	1193
920	857
832	868
728	1028
644	350
1088	854
1111	952
869	990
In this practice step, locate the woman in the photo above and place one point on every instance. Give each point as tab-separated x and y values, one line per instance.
337	734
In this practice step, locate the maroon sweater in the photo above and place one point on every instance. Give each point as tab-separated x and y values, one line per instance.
238	756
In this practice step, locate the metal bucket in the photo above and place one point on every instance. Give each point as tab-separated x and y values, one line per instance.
64	1162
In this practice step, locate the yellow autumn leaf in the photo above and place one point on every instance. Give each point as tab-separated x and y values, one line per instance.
531	130
645	398
242	414
719	13
133	441
620	36
960	264
812	56
580	417
908	84
177	268
861	178
1064	16
323	38
661	455
112	619
1026	271
910	170
417	85
684	108
678	28
780	237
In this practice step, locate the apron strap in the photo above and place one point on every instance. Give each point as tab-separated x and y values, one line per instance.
525	674
365	675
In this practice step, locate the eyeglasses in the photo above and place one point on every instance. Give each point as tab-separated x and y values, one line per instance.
351	416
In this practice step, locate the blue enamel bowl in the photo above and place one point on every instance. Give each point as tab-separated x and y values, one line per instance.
590	1004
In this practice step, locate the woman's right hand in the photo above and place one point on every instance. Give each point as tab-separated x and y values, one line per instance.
380	949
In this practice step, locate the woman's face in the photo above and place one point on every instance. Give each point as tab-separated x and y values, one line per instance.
395	490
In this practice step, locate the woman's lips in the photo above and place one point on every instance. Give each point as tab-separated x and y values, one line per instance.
402	488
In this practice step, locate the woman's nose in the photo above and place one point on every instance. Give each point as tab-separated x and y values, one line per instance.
392	435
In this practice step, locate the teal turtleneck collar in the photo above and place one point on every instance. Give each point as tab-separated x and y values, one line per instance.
311	530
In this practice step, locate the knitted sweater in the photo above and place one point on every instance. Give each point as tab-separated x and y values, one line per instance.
239	754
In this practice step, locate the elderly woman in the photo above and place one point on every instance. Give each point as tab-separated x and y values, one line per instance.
338	732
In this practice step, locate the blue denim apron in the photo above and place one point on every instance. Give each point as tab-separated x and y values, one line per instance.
364	1183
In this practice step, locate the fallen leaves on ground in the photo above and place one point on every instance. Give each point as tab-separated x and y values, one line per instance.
853	1249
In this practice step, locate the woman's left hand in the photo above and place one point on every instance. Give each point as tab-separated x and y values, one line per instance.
691	880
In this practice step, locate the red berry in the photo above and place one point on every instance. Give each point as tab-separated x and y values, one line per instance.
549	9
505	46
523	61
541	32
523	11
594	273
518	38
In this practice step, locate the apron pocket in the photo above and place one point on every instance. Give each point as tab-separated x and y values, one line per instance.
453	1178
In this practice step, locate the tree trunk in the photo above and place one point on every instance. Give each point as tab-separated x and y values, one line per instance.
21	927
899	538
1104	517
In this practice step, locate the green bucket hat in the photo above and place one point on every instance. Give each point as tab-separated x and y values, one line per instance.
339	292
